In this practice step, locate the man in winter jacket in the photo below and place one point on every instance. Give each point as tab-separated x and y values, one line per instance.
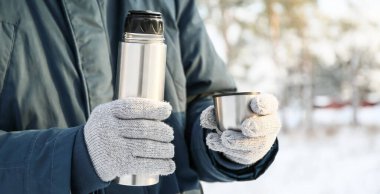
61	131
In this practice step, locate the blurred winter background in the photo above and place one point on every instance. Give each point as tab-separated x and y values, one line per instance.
322	59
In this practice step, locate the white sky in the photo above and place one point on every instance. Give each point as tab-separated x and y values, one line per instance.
369	9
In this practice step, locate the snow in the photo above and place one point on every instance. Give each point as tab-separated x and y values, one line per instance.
334	159
367	116
347	162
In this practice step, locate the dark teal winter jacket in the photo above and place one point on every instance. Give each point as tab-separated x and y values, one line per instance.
58	61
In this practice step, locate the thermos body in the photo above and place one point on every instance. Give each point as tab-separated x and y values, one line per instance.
141	69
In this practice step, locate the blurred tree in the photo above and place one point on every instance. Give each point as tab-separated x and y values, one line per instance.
221	14
277	16
312	53
294	18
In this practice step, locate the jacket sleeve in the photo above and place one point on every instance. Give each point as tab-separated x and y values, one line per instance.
46	161
206	74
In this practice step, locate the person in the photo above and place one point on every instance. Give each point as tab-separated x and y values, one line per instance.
62	131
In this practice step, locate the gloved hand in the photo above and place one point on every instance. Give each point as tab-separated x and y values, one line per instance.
257	134
128	137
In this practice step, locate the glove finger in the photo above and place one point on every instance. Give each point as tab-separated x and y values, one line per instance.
257	153
214	142
264	104
256	126
141	108
150	149
149	166
208	119
238	141
145	129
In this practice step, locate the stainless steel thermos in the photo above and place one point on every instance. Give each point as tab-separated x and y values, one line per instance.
141	68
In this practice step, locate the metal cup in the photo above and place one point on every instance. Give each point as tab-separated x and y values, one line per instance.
231	109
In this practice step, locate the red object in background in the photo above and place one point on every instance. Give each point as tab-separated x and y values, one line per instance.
368	103
334	105
338	105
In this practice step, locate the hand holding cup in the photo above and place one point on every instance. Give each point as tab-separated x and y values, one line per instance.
246	125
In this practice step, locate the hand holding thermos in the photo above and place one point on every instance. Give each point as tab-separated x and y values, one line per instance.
128	137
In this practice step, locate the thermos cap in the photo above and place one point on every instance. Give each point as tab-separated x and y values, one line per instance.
145	22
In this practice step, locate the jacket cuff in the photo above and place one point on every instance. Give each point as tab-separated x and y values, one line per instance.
84	178
243	172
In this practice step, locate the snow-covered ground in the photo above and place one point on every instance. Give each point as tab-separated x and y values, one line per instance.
336	161
367	116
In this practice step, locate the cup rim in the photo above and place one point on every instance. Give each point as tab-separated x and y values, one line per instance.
235	94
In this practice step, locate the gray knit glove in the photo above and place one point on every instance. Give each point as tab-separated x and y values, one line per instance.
128	137
257	134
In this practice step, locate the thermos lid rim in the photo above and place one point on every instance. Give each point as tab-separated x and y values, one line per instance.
145	13
235	94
